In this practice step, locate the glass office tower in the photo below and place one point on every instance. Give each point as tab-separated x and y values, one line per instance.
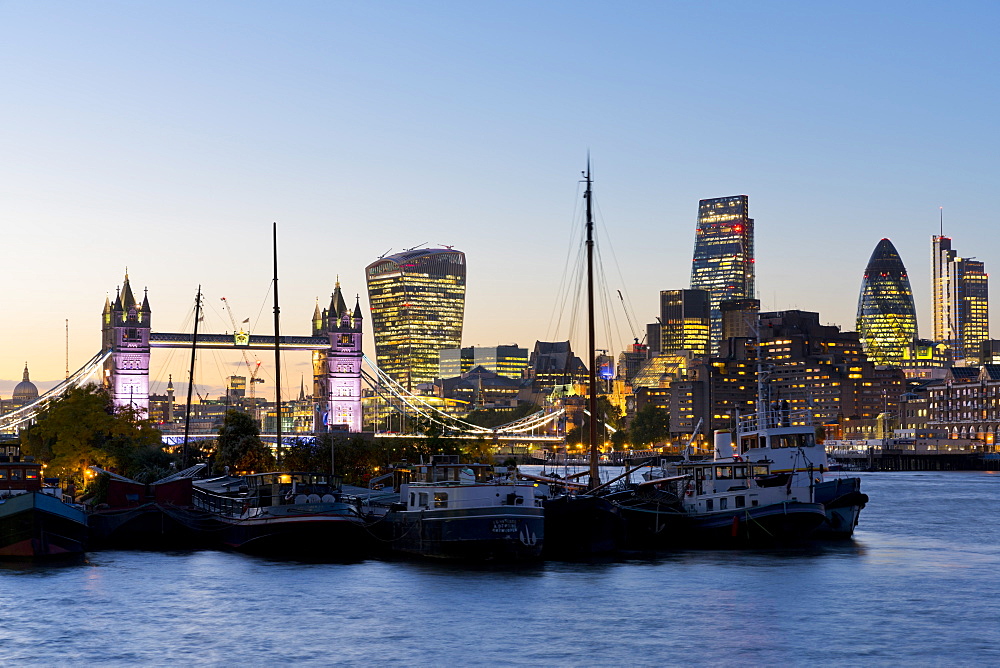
887	318
417	299
960	300
685	319
723	255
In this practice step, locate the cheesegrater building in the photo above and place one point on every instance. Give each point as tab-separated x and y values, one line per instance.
960	300
417	299
723	256
887	318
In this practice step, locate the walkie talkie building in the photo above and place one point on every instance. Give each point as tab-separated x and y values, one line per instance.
417	299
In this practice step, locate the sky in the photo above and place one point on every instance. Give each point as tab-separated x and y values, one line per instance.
167	137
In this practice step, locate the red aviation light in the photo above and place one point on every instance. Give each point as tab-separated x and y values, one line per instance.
737	228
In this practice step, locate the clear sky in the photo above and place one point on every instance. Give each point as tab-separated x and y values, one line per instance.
166	137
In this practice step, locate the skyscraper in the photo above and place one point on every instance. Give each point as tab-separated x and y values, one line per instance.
685	321
723	255
887	318
960	300
417	299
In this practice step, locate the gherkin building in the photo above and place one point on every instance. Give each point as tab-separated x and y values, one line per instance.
887	319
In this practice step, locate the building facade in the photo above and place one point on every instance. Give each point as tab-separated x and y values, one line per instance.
125	329
685	320
887	317
336	370
723	255
417	300
960	300
509	361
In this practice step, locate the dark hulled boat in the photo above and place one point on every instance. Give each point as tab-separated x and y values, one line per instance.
288	515
153	516
448	510
34	521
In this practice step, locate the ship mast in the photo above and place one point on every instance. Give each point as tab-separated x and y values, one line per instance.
194	348
595	475
277	348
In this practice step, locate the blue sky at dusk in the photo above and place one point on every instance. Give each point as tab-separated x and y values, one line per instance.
166	137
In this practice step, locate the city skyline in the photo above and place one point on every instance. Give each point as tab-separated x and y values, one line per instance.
167	142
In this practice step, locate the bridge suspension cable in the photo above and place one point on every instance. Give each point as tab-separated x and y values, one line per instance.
25	414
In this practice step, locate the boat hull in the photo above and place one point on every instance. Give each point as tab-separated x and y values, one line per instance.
843	500
760	525
581	527
332	535
153	526
651	522
507	533
36	525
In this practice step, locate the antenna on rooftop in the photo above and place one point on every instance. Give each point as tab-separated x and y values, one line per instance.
384	254
942	220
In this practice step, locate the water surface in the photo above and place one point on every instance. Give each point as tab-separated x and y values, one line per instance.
916	586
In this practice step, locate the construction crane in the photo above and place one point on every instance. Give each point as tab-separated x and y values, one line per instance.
252	368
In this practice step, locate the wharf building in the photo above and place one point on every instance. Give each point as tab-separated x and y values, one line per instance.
723	256
417	300
965	404
887	317
509	361
960	300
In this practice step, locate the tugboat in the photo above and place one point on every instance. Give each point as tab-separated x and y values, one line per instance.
34	520
449	510
288	514
764	495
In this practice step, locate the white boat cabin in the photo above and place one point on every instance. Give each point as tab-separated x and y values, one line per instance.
446	484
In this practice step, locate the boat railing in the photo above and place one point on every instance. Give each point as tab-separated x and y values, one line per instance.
217	503
773	419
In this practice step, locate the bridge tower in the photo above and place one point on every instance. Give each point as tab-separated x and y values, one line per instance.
125	332
337	370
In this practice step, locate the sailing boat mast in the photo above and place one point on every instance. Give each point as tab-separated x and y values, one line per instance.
595	475
194	347
277	347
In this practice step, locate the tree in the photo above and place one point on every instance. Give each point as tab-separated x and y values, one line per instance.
239	444
651	424
83	427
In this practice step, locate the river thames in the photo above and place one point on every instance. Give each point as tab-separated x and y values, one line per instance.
916	586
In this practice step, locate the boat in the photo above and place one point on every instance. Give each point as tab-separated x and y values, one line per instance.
286	514
470	512
35	521
580	524
155	516
764	495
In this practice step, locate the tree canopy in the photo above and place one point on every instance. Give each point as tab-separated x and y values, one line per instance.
239	446
651	424
83	427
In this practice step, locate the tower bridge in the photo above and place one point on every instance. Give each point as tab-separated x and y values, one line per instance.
123	366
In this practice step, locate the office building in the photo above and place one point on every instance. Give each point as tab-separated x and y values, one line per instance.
417	299
685	321
887	318
723	255
509	361
960	300
739	318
